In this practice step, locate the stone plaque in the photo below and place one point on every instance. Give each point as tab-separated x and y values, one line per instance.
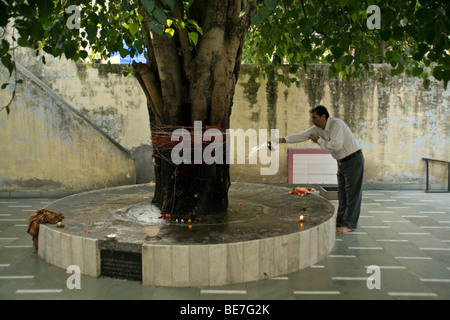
121	265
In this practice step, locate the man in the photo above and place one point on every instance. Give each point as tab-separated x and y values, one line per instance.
334	136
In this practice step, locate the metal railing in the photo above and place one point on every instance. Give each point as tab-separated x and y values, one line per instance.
427	161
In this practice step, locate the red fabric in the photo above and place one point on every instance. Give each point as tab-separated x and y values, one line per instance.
301	191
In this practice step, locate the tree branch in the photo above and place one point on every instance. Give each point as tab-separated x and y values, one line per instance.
186	47
163	77
151	60
151	88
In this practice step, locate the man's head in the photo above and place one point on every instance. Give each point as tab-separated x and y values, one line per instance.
319	116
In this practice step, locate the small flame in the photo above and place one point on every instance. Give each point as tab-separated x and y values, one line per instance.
301	218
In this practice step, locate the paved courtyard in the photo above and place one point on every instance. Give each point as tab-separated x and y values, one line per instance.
404	234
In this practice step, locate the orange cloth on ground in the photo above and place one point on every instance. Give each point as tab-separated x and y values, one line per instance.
38	217
301	191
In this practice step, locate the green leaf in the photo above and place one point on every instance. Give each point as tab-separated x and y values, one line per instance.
438	73
423	48
280	77
425	15
83	54
433	56
168	3
417	71
169	32
70	49
4	15
426	83
148	5
45	8
160	16
258	18
133	27
4	48
271	4
446	75
36	30
156	27
91	30
123	52
337	51
417	56
6	61
397	70
398	33
385	34
193	37
347	60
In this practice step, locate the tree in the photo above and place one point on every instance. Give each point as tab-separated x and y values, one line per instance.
352	35
194	50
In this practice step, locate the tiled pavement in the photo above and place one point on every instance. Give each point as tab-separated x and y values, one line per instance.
406	234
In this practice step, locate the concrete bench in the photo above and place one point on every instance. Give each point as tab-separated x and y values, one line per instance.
427	161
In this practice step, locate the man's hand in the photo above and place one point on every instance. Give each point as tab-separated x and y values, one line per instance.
281	140
314	137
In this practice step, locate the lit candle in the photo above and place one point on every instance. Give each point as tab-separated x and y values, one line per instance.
301	218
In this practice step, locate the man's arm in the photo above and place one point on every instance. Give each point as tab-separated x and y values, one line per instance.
298	137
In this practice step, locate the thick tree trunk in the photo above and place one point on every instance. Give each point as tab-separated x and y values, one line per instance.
184	84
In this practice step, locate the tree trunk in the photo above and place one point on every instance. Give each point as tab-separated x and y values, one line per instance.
185	83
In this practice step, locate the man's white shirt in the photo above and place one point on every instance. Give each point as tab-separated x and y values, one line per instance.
336	138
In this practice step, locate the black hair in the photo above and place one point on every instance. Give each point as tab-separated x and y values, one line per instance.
320	111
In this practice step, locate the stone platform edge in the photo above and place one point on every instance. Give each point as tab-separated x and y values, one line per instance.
200	265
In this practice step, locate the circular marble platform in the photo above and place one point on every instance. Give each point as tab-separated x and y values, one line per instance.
259	238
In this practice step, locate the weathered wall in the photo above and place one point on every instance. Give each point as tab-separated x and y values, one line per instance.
113	102
396	122
48	146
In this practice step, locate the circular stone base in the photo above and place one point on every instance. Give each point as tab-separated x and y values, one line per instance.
260	237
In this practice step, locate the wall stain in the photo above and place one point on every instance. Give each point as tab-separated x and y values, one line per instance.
251	87
272	97
315	80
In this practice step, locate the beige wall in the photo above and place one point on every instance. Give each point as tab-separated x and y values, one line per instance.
113	102
47	146
396	123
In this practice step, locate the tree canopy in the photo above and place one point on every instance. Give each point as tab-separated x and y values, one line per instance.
349	35
352	35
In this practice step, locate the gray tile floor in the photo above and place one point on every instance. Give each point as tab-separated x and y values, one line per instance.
405	234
